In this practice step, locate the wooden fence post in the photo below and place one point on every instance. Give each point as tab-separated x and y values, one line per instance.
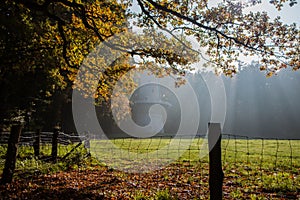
36	143
55	143
11	154
216	174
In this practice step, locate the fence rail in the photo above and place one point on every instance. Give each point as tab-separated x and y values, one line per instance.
28	138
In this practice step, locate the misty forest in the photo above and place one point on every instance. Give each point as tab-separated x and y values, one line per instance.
149	99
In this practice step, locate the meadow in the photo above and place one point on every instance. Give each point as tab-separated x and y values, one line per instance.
159	168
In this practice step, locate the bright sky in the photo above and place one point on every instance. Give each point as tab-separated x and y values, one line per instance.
288	14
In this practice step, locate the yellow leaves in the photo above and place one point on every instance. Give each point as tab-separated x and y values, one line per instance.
179	82
270	74
262	68
228	72
48	94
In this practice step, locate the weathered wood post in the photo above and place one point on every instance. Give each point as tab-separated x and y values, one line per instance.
11	154
36	143
55	143
216	174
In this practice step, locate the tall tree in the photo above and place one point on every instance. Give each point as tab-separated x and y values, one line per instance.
41	50
57	35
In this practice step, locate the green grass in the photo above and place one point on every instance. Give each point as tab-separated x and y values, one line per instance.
282	154
28	164
270	166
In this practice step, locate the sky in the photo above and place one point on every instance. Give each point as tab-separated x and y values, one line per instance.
288	14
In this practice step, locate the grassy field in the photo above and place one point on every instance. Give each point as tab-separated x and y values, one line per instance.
254	169
274	154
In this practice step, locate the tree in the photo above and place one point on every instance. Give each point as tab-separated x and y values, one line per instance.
59	34
224	30
28	72
55	38
41	51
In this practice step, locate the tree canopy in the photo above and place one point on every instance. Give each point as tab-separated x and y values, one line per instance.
226	32
45	41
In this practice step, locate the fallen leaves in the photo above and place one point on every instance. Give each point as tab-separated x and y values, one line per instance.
181	182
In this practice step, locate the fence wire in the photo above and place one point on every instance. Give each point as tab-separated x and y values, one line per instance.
26	160
253	167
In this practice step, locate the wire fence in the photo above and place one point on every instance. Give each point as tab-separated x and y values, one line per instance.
262	165
28	138
26	159
253	167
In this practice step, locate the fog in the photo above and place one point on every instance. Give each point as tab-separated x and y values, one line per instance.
263	107
256	106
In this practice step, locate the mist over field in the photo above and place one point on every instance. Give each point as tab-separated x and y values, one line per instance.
263	107
256	106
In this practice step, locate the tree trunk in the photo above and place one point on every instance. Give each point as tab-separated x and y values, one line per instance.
11	154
